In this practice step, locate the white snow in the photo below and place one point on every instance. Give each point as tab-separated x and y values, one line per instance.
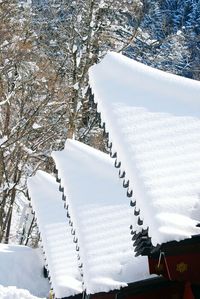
3	139
21	268
14	293
55	235
36	126
76	86
153	120
101	218
74	48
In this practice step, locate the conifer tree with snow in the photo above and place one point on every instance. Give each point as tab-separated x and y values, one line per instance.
170	37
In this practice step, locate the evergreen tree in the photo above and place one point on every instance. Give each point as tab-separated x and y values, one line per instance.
170	36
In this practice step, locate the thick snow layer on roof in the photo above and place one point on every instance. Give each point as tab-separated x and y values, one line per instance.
101	217
153	120
21	267
55	234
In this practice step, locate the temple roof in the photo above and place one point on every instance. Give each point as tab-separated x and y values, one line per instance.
153	121
101	217
87	244
55	232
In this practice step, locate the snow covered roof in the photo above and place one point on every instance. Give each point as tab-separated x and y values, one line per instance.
153	121
21	267
101	218
56	236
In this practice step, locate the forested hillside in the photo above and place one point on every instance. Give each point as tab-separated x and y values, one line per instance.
46	49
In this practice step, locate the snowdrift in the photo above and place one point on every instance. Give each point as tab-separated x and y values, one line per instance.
21	267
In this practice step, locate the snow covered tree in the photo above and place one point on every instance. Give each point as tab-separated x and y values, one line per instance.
76	34
31	122
169	36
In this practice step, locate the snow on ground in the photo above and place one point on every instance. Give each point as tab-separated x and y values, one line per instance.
101	217
21	274
153	120
56	234
14	293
